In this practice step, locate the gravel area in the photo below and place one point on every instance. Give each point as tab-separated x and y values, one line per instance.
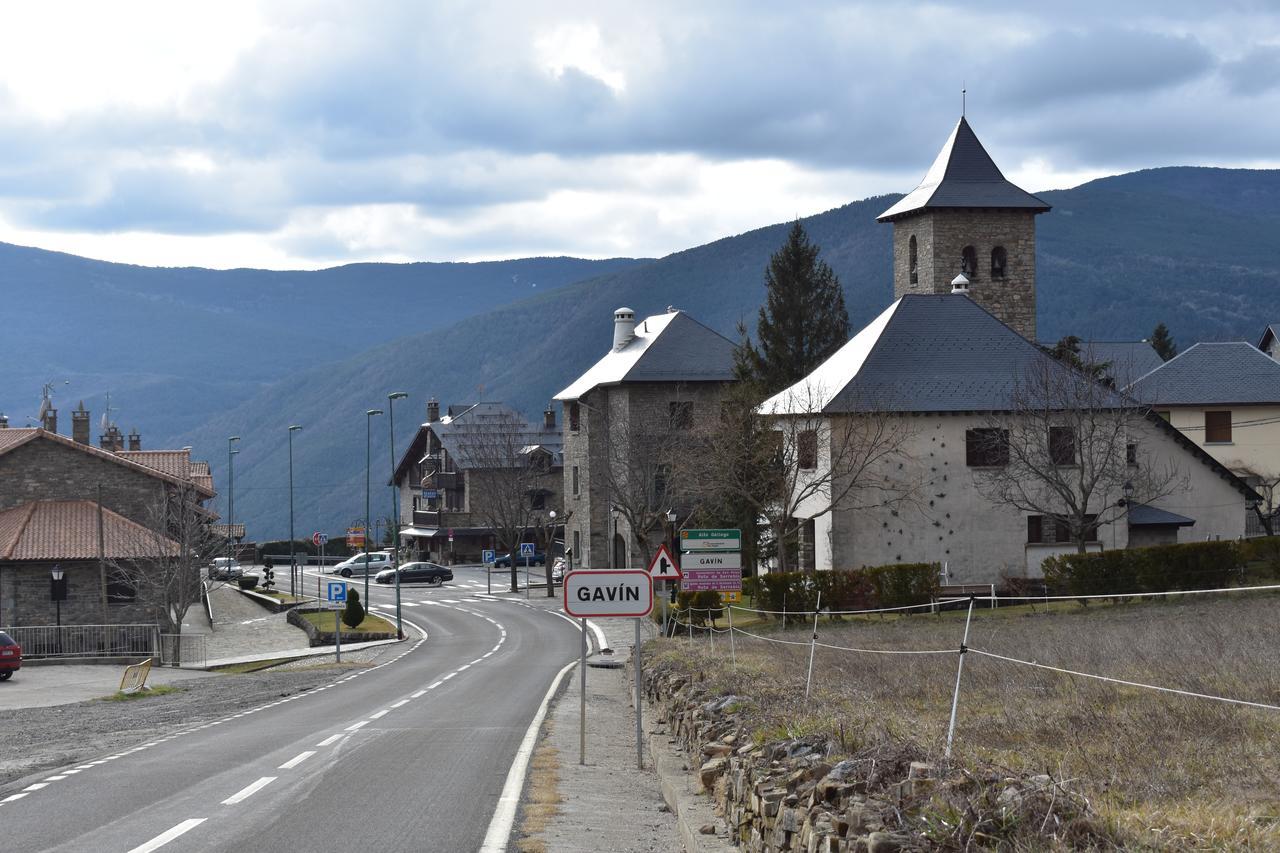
39	739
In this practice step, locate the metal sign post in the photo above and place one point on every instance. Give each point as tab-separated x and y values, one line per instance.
639	700
337	595
582	698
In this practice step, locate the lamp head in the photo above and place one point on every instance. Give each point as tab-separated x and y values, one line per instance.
397	395
374	412
232	438
295	427
57	572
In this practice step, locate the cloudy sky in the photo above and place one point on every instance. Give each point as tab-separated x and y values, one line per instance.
305	134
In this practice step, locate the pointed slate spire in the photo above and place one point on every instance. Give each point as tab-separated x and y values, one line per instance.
963	175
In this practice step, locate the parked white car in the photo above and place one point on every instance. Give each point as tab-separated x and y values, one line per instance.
377	561
225	569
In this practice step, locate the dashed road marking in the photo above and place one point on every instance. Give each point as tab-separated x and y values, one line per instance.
331	739
168	835
249	790
297	759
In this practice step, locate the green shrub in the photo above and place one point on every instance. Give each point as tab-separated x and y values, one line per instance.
1134	571
903	584
1264	550
247	581
353	613
862	589
699	607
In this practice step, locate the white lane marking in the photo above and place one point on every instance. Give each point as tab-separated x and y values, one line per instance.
434	685
421	693
380	714
331	739
12	797
168	835
297	759
400	703
55	778
248	791
409	603
354	726
72	772
495	840
36	787
450	675
464	667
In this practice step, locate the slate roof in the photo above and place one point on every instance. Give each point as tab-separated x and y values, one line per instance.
924	353
1212	374
1127	360
963	175
13	438
670	347
453	430
1142	515
68	530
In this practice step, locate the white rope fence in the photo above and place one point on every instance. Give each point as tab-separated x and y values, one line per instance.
963	649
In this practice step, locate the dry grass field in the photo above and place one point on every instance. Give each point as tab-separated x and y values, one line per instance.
1161	771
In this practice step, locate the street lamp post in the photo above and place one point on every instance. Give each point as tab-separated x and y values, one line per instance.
395	506
368	439
293	563
231	491
548	563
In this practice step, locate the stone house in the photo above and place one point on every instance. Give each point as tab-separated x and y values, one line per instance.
46	477
452	462
945	361
623	417
1225	397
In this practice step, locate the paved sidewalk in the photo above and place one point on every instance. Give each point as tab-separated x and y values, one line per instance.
243	628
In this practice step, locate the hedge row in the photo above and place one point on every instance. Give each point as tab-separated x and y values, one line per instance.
860	589
1162	568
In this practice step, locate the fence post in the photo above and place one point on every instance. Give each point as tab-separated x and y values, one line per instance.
711	631
733	651
813	644
955	698
688	621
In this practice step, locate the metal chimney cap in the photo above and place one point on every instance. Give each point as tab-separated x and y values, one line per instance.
960	284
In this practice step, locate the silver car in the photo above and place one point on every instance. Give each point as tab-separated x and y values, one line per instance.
357	565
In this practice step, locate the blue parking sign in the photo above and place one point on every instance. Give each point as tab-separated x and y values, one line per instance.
526	549
488	556
337	592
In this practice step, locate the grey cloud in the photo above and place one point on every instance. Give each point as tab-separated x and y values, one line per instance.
1256	72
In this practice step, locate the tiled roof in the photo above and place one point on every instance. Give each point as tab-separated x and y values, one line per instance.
1141	515
924	353
1126	360
199	467
220	530
68	530
963	175
12	438
1212	374
670	347
176	463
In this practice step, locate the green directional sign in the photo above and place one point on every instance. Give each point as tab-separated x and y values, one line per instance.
711	540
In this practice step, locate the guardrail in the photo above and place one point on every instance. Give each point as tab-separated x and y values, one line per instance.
183	650
86	641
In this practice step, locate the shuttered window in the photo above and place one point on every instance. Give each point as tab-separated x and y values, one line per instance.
1217	427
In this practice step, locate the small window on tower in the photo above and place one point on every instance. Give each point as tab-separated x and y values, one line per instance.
913	261
969	262
999	260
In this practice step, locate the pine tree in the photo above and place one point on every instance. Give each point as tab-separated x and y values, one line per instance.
353	613
1162	342
803	320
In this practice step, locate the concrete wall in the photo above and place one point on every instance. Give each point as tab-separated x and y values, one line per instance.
941	235
950	521
1254	448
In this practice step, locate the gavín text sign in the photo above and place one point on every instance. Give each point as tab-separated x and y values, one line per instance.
611	593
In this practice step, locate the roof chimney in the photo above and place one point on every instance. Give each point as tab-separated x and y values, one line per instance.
960	284
49	420
433	410
80	424
135	440
4	421
111	439
549	418
624	327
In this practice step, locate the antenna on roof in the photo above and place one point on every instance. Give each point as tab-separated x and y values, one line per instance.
963	91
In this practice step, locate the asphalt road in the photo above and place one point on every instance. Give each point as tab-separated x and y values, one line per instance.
410	755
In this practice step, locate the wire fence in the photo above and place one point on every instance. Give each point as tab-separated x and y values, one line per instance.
701	620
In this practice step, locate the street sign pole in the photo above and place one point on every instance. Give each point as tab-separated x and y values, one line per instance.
639	701
582	697
337	636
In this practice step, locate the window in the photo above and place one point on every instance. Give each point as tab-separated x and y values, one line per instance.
986	447
120	590
573	417
999	259
1217	427
969	262
1062	445
575	481
912	263
1166	414
1131	454
660	485
577	545
807	451
681	414
1044	530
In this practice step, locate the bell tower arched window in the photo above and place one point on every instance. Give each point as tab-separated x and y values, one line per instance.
999	261
912	260
969	262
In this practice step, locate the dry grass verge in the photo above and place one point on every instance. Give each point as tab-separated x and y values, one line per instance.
542	799
1161	770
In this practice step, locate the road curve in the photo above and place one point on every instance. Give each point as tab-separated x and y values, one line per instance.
409	755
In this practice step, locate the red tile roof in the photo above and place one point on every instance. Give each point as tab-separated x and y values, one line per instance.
12	438
68	530
176	463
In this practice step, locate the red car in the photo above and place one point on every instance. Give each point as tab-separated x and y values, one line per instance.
10	657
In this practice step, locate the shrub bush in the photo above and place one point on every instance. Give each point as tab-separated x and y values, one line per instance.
1134	571
903	584
861	589
247	581
700	606
353	613
1264	550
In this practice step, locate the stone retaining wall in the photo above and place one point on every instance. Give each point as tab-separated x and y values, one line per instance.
319	637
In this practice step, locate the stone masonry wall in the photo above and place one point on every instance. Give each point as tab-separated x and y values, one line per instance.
941	235
25	599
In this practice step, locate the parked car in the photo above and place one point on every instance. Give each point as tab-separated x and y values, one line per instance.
558	569
377	561
430	573
539	558
225	569
10	656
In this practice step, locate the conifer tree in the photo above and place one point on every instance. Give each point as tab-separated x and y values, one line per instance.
803	320
1162	342
353	613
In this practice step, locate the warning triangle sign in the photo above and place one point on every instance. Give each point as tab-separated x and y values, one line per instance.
663	567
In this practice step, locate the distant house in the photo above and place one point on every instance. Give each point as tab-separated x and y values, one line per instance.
663	374
946	364
441	513
1225	397
1270	343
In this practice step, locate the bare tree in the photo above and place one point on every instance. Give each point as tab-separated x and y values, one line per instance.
509	481
1069	449
789	461
163	565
